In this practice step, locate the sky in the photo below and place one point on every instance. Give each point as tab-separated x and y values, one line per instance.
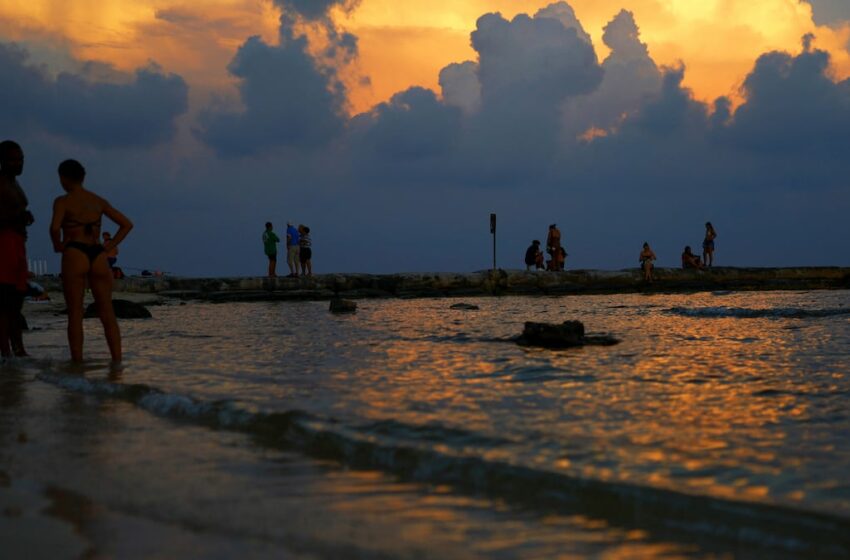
393	129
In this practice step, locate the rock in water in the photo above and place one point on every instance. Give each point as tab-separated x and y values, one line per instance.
123	310
465	307
566	335
342	306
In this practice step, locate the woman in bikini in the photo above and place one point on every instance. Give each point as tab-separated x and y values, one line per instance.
75	231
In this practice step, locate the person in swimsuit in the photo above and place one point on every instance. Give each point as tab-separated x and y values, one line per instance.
305	251
708	244
75	232
647	257
690	261
14	220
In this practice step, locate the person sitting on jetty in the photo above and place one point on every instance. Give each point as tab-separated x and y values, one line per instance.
690	261
647	257
75	232
708	244
534	256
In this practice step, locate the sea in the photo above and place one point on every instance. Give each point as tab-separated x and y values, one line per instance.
718	427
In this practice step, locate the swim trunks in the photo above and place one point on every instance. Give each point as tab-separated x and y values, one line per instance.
13	259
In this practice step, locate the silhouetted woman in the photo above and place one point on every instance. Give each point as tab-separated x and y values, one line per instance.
75	231
647	257
708	244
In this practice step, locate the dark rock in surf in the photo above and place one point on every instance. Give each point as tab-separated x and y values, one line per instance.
566	335
342	306
123	310
465	307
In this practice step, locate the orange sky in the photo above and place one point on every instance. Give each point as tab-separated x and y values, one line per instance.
407	43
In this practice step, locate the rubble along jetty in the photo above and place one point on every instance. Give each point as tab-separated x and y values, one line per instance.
483	283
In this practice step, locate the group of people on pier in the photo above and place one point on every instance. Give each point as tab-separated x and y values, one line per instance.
75	230
690	261
557	255
299	250
534	257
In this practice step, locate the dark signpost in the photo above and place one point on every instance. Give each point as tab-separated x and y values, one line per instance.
493	231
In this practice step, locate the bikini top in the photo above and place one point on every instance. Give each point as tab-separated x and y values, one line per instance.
88	227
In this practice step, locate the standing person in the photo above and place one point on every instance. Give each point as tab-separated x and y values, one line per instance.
647	257
75	232
533	256
305	250
553	247
708	245
292	249
270	241
112	254
14	220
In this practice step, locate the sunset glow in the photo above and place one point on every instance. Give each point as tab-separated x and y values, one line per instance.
406	44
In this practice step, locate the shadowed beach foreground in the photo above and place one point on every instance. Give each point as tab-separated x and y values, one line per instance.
267	429
510	282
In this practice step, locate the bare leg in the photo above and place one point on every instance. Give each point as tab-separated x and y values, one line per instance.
5	349
101	288
74	268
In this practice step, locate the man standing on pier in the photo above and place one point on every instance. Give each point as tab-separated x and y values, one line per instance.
14	219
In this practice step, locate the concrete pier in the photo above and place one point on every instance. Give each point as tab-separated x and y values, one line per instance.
501	282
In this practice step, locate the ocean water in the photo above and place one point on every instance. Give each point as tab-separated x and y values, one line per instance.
718	427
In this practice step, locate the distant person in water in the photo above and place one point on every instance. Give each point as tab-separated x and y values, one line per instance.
75	232
553	247
14	220
708	244
270	241
647	258
305	250
293	249
534	256
690	261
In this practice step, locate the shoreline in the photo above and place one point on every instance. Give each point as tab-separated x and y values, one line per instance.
484	283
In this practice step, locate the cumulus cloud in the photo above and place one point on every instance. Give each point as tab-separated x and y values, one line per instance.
830	12
133	110
792	106
631	78
460	86
290	96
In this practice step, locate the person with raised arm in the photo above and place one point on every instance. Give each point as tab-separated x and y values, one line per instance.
75	232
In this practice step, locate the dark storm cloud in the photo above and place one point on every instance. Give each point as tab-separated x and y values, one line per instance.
830	12
792	106
288	101
138	111
289	97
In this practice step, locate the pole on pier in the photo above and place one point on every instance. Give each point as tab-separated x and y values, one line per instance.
493	231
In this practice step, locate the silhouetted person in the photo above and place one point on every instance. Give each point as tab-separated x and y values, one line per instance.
75	232
647	258
14	220
293	249
270	241
553	247
533	256
305	251
708	244
690	260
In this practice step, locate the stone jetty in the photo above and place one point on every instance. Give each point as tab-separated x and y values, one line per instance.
484	283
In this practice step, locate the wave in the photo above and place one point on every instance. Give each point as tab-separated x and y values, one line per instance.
426	453
770	313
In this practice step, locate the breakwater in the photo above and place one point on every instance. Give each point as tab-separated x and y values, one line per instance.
501	282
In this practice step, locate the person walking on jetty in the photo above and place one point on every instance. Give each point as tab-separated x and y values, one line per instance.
75	232
534	256
647	257
305	250
553	247
270	241
14	220
292	249
708	244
